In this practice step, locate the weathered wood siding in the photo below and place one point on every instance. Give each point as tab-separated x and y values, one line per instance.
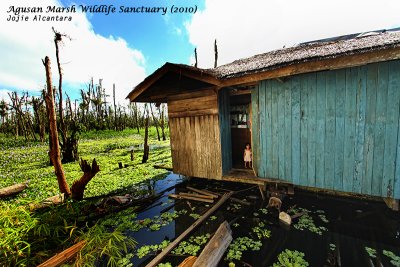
333	129
195	135
224	118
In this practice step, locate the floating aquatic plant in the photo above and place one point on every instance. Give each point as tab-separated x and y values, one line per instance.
394	259
371	252
291	258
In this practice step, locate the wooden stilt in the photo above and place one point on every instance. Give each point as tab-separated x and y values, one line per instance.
261	191
392	203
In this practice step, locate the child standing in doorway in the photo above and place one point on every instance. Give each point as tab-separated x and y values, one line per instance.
247	156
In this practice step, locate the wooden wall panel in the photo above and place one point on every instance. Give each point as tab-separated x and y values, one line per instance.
186	105
334	129
225	132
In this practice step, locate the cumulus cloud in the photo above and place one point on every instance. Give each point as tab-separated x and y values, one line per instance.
243	29
86	55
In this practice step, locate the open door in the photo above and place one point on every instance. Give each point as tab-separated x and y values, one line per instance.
240	124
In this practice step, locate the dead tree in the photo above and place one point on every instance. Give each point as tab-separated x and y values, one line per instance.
195	57
215	53
162	121
55	155
115	109
78	187
146	136
155	122
3	114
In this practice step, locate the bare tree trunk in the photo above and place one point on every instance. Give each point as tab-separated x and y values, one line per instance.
155	122
162	124
54	147
115	109
58	38
146	137
136	118
79	186
215	53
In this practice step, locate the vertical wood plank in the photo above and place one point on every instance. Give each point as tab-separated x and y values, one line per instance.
281	129
330	129
304	94
288	131
360	129
372	80
296	129
339	128
263	129
380	128
255	133
312	105
320	133
274	127
268	110
391	135
350	128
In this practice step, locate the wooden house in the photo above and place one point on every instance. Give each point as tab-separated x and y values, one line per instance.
322	114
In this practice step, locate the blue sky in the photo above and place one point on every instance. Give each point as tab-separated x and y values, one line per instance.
125	48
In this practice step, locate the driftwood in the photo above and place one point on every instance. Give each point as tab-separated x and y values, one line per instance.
13	189
168	168
196	195
54	200
174	243
188	262
64	256
203	192
191	198
215	248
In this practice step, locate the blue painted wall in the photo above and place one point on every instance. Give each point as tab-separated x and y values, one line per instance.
335	129
225	129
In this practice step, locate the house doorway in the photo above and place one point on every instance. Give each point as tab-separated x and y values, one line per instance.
240	124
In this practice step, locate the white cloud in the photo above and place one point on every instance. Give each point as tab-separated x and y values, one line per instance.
244	29
88	54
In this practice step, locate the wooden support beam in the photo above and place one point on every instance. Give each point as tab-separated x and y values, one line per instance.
64	256
13	189
191	198
261	188
215	248
174	243
203	192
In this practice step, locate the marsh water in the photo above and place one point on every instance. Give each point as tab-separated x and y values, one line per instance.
350	225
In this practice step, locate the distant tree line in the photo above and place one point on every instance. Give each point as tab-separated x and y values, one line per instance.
25	115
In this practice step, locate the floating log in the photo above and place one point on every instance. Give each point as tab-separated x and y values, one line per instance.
13	189
285	218
188	262
168	168
191	198
215	248
174	243
64	256
196	195
203	192
54	200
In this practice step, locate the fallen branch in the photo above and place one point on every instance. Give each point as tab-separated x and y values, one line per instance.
13	189
174	243
54	200
188	262
64	256
78	187
234	199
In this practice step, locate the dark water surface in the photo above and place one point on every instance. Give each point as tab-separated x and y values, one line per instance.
353	225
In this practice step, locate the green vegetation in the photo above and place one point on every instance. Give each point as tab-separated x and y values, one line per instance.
30	237
371	252
306	221
291	258
192	246
394	259
239	245
261	231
